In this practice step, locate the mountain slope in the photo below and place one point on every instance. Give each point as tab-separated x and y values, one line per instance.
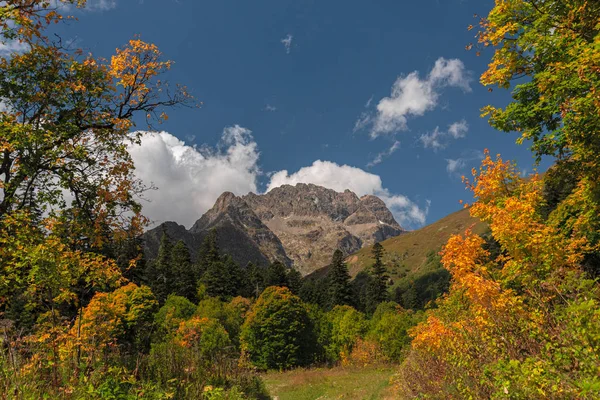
408	253
300	226
312	222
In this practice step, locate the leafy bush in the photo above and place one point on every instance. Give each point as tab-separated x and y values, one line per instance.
278	332
347	326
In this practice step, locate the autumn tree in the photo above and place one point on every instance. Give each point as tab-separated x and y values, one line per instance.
67	189
554	45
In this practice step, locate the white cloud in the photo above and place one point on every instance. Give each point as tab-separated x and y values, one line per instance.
455	166
342	177
412	96
458	129
437	139
432	139
90	5
287	43
11	47
101	5
189	179
269	107
384	154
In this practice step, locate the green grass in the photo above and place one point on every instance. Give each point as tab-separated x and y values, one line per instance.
407	253
335	383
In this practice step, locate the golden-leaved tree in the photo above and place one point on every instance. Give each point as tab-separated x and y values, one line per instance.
522	315
67	189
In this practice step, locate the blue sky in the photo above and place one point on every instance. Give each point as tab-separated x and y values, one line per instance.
283	84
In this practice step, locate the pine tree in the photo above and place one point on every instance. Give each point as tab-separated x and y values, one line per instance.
184	281
340	290
377	287
160	274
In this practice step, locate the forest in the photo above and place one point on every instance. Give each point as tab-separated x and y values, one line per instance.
512	314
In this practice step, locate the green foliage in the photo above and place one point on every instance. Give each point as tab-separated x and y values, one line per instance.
278	331
347	326
389	329
315	291
175	310
160	271
418	290
294	281
256	279
184	280
231	315
276	275
340	291
376	290
208	253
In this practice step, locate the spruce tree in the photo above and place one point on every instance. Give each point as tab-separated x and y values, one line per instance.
377	286
340	290
208	254
184	281
294	280
217	281
238	284
276	275
256	278
160	274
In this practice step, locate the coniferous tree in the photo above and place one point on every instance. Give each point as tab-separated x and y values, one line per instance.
238	280
376	291
340	290
216	279
184	281
360	286
159	272
208	254
276	275
256	278
294	281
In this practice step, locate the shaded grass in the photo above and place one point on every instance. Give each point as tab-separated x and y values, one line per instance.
335	383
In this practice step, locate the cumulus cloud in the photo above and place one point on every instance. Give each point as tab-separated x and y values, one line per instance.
438	139
413	96
342	177
384	154
287	43
189	179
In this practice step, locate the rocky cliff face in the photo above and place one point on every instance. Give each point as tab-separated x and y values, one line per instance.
300	225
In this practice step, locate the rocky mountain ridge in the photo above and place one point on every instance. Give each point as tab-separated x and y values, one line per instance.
299	225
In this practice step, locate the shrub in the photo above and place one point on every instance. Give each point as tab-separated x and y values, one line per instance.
278	331
347	326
